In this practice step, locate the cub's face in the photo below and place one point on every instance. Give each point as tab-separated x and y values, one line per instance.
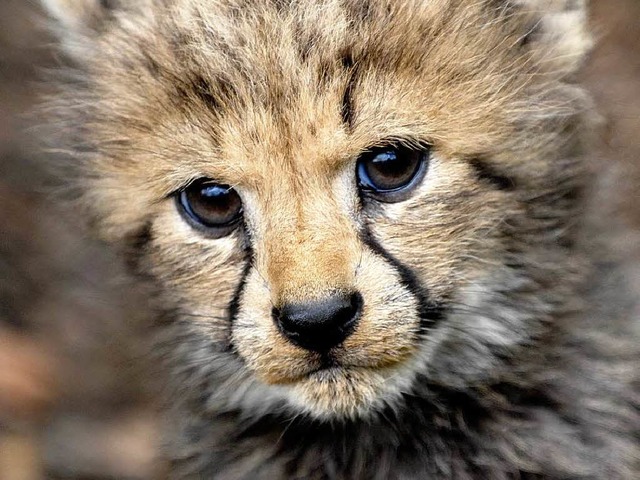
338	201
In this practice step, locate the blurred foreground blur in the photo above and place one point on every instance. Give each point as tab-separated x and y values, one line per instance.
75	399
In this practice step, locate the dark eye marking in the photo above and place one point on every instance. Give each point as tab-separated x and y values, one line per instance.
488	174
212	208
431	312
390	173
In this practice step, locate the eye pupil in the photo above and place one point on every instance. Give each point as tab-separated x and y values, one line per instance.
389	171
212	206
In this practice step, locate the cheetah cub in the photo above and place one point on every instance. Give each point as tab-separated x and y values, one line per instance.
367	229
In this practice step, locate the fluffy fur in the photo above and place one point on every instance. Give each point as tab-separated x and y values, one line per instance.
491	344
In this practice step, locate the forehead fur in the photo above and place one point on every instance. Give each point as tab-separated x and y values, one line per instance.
218	87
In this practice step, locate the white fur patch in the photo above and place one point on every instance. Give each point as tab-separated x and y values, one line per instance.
69	12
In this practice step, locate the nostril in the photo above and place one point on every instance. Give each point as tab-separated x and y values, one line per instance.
322	324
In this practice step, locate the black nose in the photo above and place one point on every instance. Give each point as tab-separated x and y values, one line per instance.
322	324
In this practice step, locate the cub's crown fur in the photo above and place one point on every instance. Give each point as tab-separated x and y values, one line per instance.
488	342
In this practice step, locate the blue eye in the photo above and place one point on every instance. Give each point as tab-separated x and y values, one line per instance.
213	207
388	173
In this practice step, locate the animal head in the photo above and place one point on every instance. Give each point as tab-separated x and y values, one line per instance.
338	200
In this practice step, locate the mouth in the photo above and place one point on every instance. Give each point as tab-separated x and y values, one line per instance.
349	381
330	366
334	389
321	368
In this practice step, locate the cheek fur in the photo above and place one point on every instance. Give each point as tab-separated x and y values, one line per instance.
447	231
389	328
198	274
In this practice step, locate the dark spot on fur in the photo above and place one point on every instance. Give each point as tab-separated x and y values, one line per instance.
177	41
346	59
226	88
359	12
141	238
152	66
181	94
109	4
197	87
136	246
281	6
346	109
203	90
532	34
487	173
306	40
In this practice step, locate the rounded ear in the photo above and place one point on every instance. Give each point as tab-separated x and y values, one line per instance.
78	22
560	31
78	14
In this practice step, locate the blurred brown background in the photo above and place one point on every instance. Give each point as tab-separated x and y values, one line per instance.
74	400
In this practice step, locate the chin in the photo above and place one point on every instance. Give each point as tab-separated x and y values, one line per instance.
349	393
